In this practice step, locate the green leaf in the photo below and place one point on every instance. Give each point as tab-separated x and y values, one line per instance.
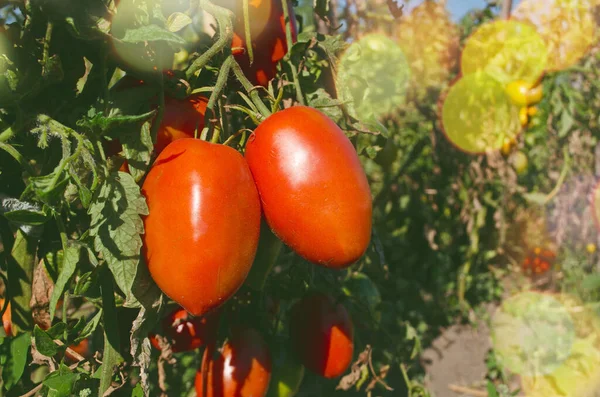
90	327
57	330
178	21
20	278
70	260
15	365
137	391
27	217
321	100
106	125
491	389
49	188
566	123
116	226
43	342
151	33
61	382
137	145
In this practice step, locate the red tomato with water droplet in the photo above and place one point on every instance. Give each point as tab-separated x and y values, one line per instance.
202	230
314	191
241	369
322	334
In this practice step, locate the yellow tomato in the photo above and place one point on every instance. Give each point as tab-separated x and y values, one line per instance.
523	117
520	162
532	111
517	91
521	93
591	248
534	95
508	145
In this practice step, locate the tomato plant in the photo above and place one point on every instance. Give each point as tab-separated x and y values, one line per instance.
242	367
322	335
299	158
187	249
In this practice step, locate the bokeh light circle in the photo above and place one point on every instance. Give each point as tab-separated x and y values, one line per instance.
430	41
567	27
373	76
477	115
579	374
507	51
532	333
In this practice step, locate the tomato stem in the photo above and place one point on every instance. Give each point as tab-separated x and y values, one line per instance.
224	19
250	89
247	32
220	84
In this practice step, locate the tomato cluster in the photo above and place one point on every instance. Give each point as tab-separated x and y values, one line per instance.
539	261
213	213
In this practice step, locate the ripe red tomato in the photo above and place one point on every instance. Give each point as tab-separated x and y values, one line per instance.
322	334
6	318
202	231
181	118
186	332
314	192
241	369
267	32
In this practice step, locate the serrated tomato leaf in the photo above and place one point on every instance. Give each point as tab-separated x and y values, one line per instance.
116	226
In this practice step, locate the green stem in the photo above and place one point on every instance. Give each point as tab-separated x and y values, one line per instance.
46	52
250	89
224	19
299	94
247	32
18	157
214	96
7	134
288	25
